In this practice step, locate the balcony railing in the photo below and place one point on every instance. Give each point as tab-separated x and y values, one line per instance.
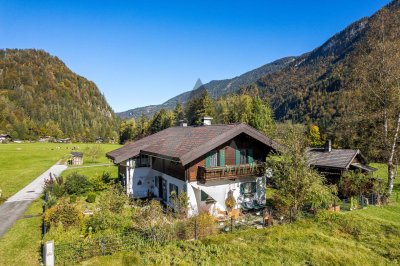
205	174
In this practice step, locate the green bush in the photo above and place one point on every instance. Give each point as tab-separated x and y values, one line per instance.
72	199
77	184
106	177
64	214
91	197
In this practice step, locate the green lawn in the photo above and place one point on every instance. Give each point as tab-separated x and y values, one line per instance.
21	163
21	244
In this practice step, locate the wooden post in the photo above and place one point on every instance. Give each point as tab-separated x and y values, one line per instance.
48	253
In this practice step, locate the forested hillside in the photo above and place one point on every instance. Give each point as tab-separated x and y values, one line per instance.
40	95
311	87
348	86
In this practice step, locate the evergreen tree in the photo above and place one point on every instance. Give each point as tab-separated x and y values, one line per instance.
179	112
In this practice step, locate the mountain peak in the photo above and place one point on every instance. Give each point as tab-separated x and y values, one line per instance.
198	84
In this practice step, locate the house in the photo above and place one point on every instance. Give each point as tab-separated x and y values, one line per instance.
5	138
45	139
66	140
333	163
76	158
207	162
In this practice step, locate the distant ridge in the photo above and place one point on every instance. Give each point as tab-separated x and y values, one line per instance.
216	88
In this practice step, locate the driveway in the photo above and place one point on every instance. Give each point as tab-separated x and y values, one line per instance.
15	206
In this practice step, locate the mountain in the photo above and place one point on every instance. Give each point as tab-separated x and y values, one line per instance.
311	87
216	88
40	95
304	88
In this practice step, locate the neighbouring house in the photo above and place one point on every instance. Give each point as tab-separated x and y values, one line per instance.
99	140
333	163
76	158
66	140
45	139
5	138
208	162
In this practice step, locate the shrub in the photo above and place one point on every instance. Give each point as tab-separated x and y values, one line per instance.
91	197
230	201
77	184
72	199
65	214
50	201
98	183
106	177
55	186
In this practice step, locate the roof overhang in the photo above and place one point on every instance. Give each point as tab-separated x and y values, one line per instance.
364	167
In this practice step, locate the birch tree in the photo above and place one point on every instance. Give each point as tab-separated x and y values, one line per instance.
377	76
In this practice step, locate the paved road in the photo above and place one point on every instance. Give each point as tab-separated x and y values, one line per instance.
15	206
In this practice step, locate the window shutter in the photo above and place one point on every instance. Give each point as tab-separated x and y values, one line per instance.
253	187
250	156
204	196
242	189
222	157
237	156
208	160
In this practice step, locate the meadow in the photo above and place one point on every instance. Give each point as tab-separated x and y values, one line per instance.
369	236
20	163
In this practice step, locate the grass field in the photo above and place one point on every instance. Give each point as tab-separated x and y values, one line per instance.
21	163
21	244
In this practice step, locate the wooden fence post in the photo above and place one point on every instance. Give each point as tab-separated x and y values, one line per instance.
48	253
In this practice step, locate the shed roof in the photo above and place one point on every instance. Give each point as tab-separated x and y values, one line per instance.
76	154
336	158
185	144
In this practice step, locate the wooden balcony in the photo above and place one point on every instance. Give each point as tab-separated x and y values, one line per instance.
205	174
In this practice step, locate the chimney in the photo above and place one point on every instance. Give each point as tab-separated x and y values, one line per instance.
182	123
328	145
206	121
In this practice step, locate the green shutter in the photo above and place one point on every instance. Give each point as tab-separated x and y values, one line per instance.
253	187
237	156
204	196
208	160
241	189
250	156
222	157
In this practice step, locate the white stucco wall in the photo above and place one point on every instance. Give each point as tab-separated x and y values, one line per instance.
141	180
218	190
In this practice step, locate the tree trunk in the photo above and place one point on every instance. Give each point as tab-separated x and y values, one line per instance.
390	161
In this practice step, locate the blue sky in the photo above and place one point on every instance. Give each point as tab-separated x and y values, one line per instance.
145	52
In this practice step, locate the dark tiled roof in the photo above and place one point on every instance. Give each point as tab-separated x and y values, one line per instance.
186	144
76	154
336	158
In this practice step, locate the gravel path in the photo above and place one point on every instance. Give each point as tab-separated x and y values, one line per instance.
15	206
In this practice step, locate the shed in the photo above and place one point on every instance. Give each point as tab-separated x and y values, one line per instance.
76	158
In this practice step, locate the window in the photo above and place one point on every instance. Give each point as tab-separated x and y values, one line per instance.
243	156
156	181
214	159
143	161
248	188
